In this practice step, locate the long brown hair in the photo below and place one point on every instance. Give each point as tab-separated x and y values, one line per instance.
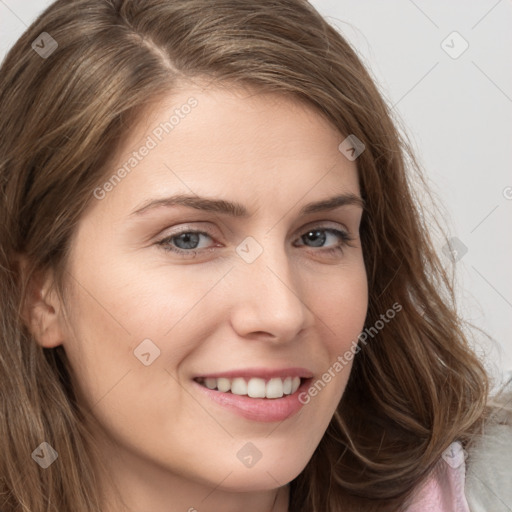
414	387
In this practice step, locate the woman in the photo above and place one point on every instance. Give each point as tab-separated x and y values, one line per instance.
171	340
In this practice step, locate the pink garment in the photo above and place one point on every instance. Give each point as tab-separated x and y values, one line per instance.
444	490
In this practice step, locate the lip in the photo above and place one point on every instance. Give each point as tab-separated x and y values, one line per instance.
257	409
262	373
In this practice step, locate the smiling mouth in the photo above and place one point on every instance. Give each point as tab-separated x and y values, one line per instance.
254	387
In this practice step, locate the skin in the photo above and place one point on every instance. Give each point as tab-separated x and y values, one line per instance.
166	446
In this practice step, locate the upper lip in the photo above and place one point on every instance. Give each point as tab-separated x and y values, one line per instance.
262	373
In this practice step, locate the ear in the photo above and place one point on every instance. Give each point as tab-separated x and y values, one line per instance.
42	311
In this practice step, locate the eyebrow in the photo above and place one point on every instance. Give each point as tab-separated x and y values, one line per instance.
234	209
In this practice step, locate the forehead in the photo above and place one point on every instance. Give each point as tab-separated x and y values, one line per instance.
210	141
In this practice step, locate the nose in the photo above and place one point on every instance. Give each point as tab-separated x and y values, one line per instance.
267	297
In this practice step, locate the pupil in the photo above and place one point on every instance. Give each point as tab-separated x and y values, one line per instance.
186	237
315	235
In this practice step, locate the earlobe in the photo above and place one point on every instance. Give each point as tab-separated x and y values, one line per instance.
42	309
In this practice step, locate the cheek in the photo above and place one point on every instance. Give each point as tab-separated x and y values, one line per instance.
121	314
341	303
128	340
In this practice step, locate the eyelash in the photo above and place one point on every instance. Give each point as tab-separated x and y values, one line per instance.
164	243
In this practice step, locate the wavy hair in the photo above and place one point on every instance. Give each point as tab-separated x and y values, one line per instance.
413	389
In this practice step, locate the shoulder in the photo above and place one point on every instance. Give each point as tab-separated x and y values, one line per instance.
489	463
444	489
478	479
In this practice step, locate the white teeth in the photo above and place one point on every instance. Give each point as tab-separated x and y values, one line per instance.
254	387
275	388
287	386
239	386
223	384
295	384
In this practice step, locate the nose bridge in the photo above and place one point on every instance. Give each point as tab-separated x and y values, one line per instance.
268	293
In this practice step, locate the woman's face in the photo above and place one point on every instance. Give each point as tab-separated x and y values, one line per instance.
156	305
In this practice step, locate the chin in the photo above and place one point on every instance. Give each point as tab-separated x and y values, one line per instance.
261	477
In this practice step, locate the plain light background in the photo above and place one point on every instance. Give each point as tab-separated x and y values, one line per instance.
455	104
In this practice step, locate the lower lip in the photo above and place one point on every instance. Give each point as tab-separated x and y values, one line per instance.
258	409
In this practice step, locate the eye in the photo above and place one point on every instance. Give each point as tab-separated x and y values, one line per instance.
318	235
189	241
